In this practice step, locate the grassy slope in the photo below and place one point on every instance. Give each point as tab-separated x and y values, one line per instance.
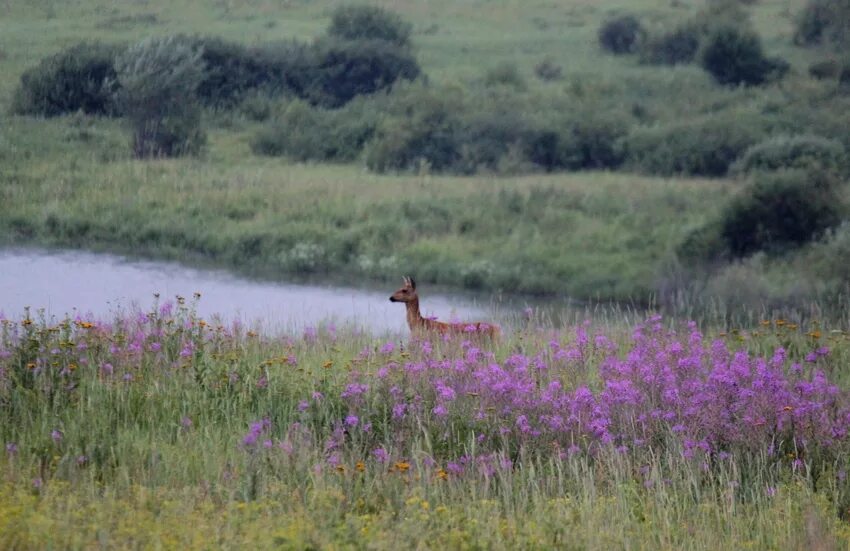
69	181
581	234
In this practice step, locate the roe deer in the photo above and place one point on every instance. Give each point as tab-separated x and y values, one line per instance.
418	324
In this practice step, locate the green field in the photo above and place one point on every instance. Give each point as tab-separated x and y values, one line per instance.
156	429
593	234
71	181
160	430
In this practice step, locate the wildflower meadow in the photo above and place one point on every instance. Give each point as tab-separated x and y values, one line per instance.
158	429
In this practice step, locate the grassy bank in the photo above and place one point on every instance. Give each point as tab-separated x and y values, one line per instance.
70	181
158	429
591	234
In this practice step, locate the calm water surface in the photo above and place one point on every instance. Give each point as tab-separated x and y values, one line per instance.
74	282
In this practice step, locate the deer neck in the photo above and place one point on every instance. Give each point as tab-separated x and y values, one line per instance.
414	318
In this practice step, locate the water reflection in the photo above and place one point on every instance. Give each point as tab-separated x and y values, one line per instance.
72	282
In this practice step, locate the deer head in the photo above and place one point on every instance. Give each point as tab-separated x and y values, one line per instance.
407	293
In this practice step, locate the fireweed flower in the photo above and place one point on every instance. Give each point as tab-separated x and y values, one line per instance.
381	455
255	430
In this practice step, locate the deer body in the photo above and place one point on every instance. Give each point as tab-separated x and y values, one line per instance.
418	324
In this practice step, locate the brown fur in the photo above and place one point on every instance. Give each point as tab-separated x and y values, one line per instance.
407	294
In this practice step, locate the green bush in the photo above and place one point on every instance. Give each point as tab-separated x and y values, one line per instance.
678	46
306	133
621	35
824	70
505	134
824	21
802	151
734	56
363	22
487	138
703	245
421	131
593	142
159	78
590	142
827	259
257	107
80	78
703	147
780	210
344	69
234	71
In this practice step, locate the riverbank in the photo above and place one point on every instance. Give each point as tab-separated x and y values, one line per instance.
586	235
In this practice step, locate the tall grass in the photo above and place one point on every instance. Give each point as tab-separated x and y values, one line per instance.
159	429
69	182
573	232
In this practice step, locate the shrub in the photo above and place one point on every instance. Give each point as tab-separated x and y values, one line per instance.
306	133
486	138
824	21
592	142
844	75
824	70
828	258
233	71
345	69
80	78
780	210
362	22
421	131
734	56
803	151
704	244
679	46
159	78
257	107
621	35
704	147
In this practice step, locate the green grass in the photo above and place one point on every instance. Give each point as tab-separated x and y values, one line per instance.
151	480
70	181
590	234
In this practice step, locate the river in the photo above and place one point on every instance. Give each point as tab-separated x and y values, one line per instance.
76	282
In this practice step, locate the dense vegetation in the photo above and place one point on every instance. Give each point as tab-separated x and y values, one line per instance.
159	429
689	154
718	89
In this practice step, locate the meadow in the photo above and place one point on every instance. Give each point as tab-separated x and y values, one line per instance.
72	181
157	429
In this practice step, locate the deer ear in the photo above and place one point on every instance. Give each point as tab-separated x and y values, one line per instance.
412	283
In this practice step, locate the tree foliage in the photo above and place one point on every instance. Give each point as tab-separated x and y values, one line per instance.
159	79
